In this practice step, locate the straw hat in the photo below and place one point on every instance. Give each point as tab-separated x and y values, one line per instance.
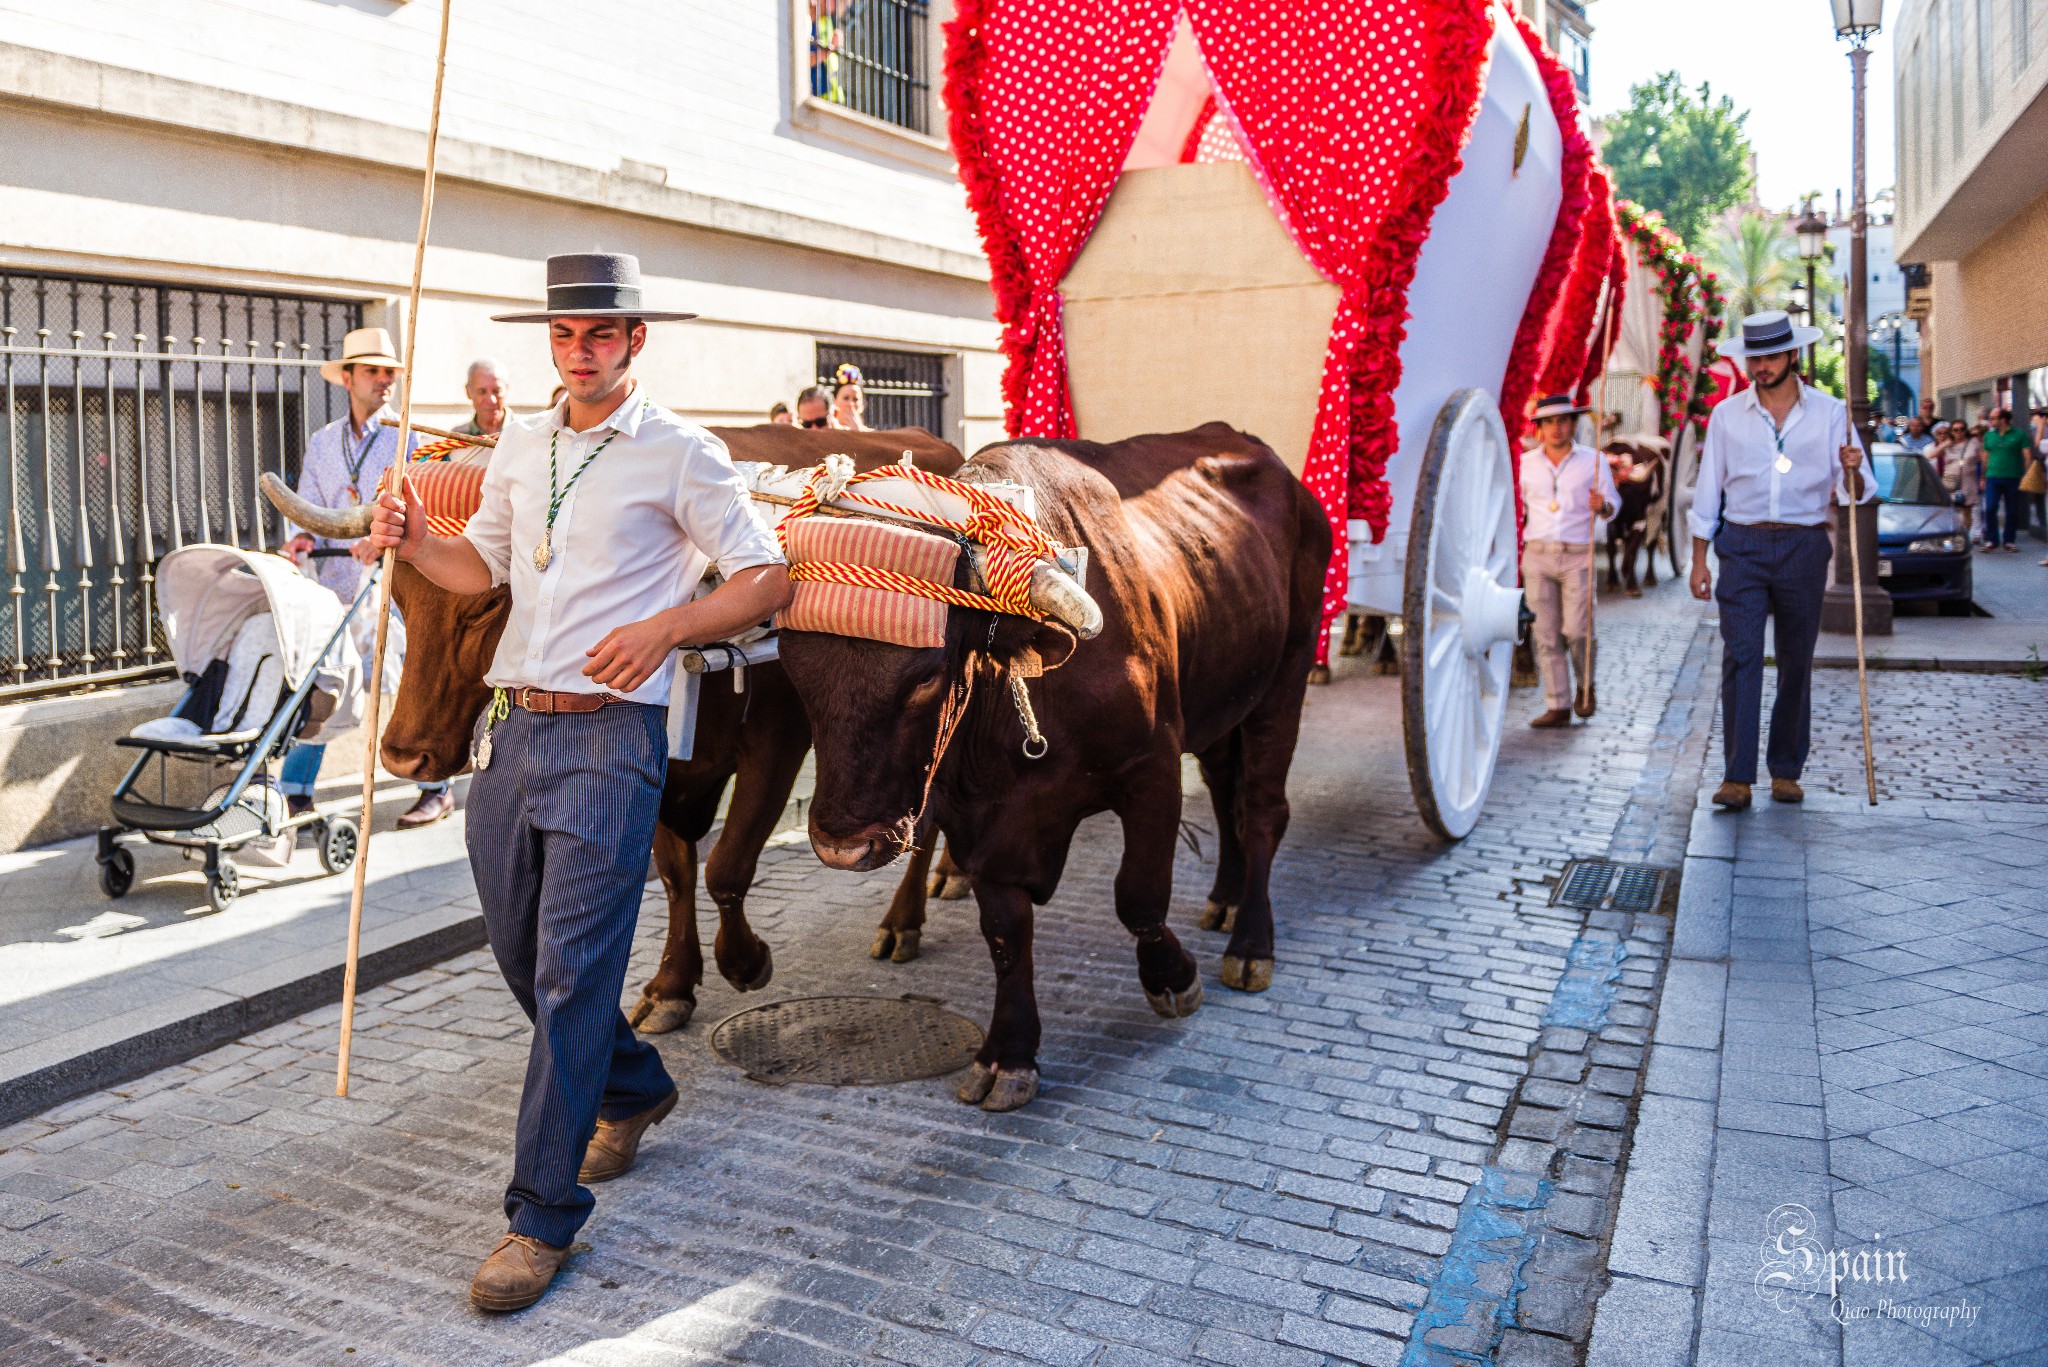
364	346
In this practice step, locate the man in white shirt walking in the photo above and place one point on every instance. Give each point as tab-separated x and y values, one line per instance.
1775	458
601	514
1568	494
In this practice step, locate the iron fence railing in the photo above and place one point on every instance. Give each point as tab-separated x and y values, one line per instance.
137	418
902	388
874	56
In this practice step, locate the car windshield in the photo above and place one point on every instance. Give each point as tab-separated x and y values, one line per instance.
1903	477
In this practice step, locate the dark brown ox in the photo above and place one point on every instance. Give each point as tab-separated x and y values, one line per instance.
1642	479
756	739
1206	560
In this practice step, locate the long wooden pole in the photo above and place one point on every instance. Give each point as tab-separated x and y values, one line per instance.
376	676
467	438
1856	591
1592	527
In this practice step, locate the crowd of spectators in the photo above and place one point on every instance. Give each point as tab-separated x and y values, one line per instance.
1996	469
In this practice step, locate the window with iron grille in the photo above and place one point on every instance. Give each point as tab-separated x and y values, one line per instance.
874	56
137	419
902	388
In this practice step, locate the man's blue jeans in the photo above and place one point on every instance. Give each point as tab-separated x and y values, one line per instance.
2003	492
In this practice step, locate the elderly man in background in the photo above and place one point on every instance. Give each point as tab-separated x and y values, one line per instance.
485	388
1776	457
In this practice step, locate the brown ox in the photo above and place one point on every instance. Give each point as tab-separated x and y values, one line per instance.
1207	560
756	739
1642	476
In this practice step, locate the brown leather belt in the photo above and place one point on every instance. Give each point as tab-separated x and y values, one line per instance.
550	704
1782	526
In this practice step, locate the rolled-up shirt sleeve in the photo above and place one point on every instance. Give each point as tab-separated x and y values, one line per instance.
1705	514
490	527
716	512
1608	493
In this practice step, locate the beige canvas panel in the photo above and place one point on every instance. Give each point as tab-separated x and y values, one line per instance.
1190	304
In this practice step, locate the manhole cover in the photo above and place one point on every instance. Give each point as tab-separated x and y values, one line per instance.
1602	884
846	1041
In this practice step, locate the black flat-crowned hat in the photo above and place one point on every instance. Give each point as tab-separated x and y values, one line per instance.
1557	406
593	285
1767	334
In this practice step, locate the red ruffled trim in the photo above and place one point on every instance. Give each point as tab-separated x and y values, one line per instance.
1573	222
1009	277
1572	342
1617	296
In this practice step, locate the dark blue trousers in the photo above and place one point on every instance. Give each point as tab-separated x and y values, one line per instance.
559	828
1781	574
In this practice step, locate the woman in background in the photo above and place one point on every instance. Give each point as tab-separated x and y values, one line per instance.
849	404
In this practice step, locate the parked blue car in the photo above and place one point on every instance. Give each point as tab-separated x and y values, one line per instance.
1923	549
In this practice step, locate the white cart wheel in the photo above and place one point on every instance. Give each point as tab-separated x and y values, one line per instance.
1684	475
1461	613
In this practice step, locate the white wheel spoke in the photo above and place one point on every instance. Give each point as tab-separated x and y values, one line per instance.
1440	598
1441	646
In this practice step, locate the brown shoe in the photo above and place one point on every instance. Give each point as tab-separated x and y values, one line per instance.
1586	702
434	805
617	1142
1732	796
1555	717
1787	790
516	1274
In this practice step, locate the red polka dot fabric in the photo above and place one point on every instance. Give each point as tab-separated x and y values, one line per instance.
1352	113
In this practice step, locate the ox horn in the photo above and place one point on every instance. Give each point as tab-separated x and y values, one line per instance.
338	524
1054	592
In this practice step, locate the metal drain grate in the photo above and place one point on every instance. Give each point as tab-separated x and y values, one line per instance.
1603	885
846	1041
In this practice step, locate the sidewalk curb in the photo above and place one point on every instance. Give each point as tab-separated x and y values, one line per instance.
175	1041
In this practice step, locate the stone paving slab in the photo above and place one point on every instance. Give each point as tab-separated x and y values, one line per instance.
1850	1058
1274	1180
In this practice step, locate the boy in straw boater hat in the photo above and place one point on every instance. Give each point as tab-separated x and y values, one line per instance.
343	462
600	514
1568	494
1775	457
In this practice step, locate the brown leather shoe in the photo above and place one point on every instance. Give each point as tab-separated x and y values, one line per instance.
1586	702
434	805
1555	717
1787	790
1732	796
516	1274
617	1142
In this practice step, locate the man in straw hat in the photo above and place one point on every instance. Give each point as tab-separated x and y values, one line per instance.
343	462
601	515
1775	457
1568	494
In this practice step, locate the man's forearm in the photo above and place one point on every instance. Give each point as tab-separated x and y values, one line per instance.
1699	550
451	562
746	599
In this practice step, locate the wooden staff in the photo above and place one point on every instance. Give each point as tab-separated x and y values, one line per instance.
1855	482
466	438
1593	524
374	702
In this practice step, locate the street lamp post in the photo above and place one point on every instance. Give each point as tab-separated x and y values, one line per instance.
1812	231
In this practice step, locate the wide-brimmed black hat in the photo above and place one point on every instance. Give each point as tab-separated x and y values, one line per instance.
1767	334
1557	406
593	285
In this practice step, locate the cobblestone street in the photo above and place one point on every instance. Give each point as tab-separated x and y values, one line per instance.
1278	1179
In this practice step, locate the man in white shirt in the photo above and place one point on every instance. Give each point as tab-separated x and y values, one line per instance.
1568	494
1776	457
601	514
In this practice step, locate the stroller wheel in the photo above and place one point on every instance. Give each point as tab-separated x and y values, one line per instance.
338	844
224	886
117	874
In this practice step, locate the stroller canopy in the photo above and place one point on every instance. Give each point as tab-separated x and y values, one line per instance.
205	593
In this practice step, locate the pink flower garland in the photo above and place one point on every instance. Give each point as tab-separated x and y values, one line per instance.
1685	308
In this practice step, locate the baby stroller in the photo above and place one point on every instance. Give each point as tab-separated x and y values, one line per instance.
268	662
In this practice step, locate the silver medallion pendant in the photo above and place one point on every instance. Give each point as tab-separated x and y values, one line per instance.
480	748
543	553
1784	465
1553	505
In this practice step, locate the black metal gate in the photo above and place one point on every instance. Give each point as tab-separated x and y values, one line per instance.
137	418
903	388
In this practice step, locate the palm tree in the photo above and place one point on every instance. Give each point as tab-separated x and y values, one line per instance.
1758	262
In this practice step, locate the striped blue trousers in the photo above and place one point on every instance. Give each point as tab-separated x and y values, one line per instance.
559	829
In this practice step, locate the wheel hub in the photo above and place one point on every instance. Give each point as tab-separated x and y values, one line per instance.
1489	612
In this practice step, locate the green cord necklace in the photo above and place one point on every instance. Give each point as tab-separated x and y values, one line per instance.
544	552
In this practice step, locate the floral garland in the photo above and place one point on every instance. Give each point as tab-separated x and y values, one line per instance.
1572	345
1576	220
1679	277
1716	303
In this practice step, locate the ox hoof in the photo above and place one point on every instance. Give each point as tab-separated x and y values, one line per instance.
761	977
980	1078
1219	916
1014	1087
1174	1005
659	1015
1247	975
951	887
897	946
1318	674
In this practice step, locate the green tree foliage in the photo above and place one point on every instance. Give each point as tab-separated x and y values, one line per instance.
1757	258
1681	152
